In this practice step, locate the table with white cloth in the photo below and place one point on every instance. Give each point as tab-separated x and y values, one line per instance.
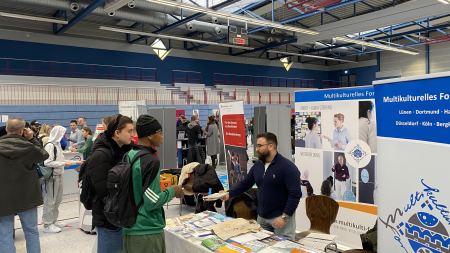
196	233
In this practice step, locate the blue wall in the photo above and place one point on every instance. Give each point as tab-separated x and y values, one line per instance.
364	75
50	52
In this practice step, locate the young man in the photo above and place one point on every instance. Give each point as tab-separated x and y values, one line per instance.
147	235
278	181
75	137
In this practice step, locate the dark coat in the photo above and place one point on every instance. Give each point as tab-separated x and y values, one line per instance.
105	155
19	182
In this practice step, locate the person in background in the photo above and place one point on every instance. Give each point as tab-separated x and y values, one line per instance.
109	149
36	127
181	120
75	136
367	127
341	135
212	140
147	234
44	133
54	186
194	134
341	174
19	185
82	122
327	187
86	149
312	137
278	182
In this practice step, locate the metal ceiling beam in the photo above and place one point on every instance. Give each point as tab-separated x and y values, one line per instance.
81	15
184	20
310	14
204	45
267	47
253	6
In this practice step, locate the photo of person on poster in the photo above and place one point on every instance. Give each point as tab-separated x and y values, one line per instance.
341	174
312	137
235	159
367	126
341	136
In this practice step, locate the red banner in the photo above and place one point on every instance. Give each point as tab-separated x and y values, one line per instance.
234	130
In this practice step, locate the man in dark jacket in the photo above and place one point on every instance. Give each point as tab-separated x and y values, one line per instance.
194	134
109	149
19	184
278	181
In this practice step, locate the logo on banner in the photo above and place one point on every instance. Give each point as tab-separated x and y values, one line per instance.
420	226
358	153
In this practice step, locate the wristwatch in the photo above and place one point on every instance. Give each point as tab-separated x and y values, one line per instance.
284	217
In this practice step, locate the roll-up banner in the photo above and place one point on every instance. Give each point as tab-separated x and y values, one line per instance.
335	143
414	164
234	139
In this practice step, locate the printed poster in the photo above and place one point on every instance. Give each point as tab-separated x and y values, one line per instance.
234	139
413	165
335	146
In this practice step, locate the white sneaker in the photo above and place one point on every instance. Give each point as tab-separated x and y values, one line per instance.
58	224
52	229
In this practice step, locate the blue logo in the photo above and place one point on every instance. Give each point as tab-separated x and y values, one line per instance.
424	230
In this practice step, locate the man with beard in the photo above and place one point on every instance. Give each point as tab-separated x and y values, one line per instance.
278	182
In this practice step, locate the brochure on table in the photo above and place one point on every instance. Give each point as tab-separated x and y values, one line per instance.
413	164
335	139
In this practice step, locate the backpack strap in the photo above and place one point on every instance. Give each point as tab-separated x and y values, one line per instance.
54	150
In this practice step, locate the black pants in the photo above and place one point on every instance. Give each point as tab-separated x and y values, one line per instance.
214	161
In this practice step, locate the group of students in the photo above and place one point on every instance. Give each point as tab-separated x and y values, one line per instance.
21	150
194	133
112	147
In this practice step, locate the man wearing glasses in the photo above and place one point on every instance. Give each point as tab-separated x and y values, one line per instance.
278	182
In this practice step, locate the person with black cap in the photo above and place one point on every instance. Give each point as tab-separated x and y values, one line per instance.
150	222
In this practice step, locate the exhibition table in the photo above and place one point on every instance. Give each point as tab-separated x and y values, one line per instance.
200	233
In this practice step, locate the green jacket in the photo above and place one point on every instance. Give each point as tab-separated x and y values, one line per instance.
86	149
150	219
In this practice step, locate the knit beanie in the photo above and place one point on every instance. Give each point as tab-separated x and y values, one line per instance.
147	125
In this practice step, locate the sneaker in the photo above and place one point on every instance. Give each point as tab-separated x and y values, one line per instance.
52	229
58	224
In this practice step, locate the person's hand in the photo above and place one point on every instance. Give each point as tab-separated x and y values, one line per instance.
79	162
68	163
178	191
226	197
74	145
73	149
278	223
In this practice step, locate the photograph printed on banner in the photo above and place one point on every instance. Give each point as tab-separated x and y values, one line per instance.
366	183
343	177
236	161
339	125
367	124
310	164
308	130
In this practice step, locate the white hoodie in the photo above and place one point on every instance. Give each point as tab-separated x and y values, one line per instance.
54	140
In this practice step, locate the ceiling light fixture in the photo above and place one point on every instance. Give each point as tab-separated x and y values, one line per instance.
444	1
373	45
310	56
34	18
287	63
160	49
161	36
233	17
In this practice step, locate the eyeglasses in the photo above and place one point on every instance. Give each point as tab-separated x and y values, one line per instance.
262	145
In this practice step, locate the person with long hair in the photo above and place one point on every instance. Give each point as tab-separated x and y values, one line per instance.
109	149
212	140
86	149
312	137
341	174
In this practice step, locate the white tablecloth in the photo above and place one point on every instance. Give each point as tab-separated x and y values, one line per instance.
176	244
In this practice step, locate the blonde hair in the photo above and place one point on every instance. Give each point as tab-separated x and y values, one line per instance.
45	129
339	116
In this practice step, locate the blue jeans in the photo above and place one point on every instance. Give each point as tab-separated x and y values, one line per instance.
109	241
29	222
288	230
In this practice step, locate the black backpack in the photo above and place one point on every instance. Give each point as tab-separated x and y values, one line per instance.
87	193
120	207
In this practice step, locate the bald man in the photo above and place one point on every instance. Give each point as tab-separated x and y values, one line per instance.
20	184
